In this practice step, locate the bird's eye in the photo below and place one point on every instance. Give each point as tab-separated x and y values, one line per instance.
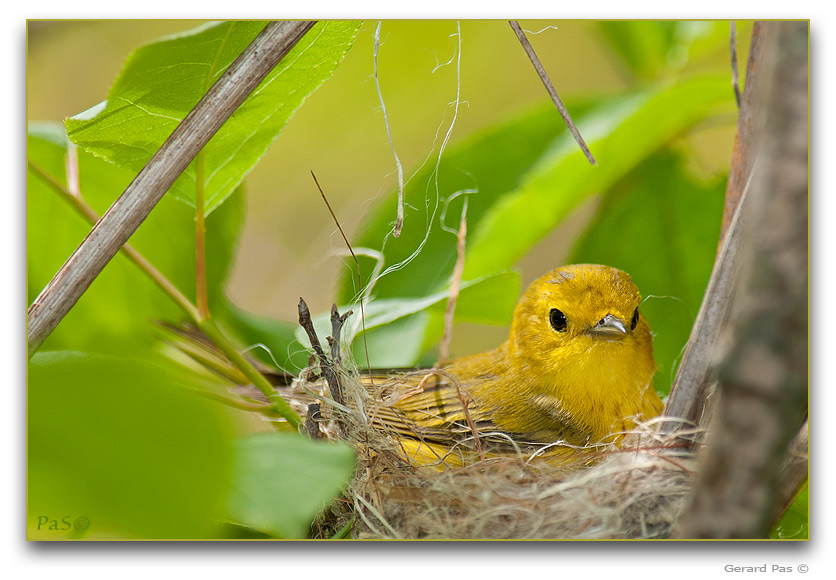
558	320
635	320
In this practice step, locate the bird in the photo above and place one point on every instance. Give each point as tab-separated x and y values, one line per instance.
575	373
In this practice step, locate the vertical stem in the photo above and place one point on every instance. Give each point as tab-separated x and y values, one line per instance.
695	377
201	295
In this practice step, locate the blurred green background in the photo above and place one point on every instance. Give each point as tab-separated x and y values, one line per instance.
654	100
285	248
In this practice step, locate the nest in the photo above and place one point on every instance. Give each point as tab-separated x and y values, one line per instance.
633	491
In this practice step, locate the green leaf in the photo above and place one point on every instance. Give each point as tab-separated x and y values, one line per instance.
283	480
161	82
492	301
621	135
660	225
530	174
113	314
116	442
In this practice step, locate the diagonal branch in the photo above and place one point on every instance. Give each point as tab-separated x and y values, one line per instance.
763	377
733	51
87	212
695	377
541	72
140	197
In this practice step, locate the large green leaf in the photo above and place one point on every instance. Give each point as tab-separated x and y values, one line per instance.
283	480
162	82
621	135
529	174
661	225
113	314
121	452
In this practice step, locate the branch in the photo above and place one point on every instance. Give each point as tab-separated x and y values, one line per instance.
89	214
201	289
278	407
337	322
140	197
748	133
733	50
763	378
695	377
541	72
326	365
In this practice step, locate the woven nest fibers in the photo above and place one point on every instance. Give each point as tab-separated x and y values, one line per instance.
633	491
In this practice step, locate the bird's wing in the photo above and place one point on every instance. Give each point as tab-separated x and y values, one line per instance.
433	406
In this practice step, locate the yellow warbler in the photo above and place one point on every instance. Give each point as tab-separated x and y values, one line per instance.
576	370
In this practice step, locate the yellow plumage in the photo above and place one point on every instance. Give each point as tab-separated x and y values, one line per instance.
576	370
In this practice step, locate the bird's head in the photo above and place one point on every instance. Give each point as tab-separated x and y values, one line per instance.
581	319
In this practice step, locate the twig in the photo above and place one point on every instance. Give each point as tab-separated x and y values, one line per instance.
71	169
696	375
356	263
337	322
140	197
201	289
733	50
219	339
541	72
399	219
262	408
465	404
325	365
455	284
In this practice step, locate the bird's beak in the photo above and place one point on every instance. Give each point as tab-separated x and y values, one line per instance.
609	327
